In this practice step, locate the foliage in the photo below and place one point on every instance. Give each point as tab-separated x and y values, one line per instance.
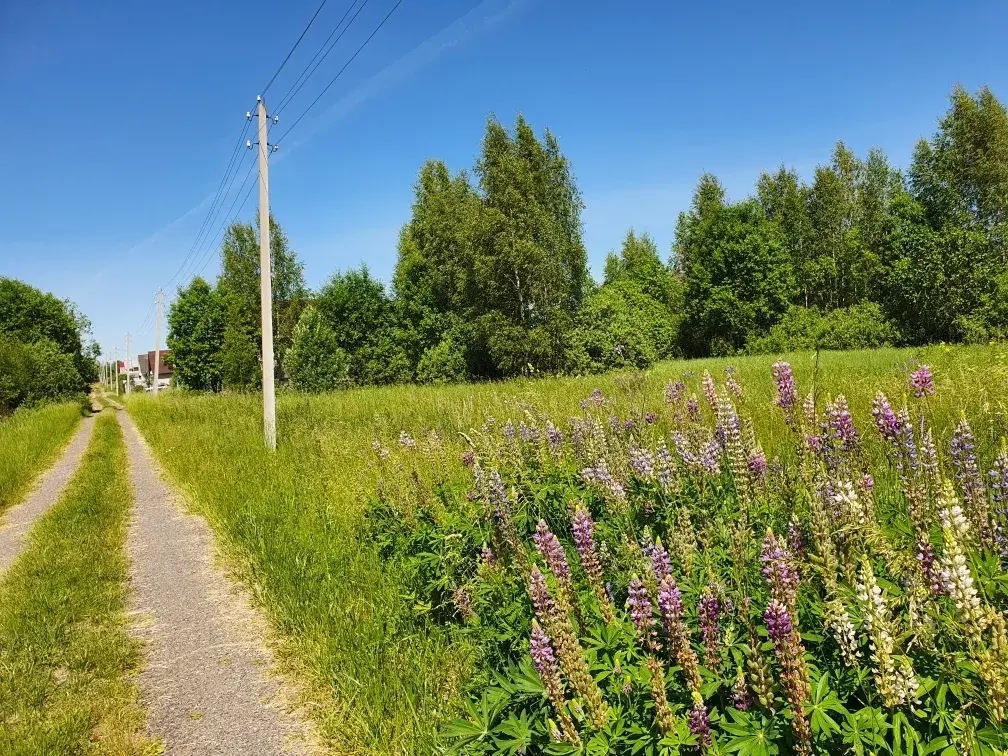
619	326
861	326
196	337
315	361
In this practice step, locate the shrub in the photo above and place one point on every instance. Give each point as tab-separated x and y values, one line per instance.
861	326
315	361
445	362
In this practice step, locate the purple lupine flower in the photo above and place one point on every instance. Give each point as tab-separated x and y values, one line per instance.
528	434
757	465
614	423
868	482
930	567
542	602
885	419
583	530
708	617
998	480
542	652
651	418
741	695
674	391
787	393
839	425
797	542
922	382
487	556
661	563
779	571
710	458
468	457
699	724
600	475
641	611
642	461
683	450
380	450
629	424
596	397
665	468
406	440
463	603
554	438
509	431
693	408
670	602
707	383
777	619
551	551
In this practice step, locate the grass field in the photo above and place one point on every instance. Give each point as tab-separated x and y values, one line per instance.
29	442
64	651
291	521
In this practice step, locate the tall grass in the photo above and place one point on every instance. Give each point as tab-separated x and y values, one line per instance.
64	650
291	520
30	440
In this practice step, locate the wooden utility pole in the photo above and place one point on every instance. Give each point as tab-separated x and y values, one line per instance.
117	370
129	378
265	280
156	368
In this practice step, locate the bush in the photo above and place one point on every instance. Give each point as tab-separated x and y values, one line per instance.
445	362
619	326
315	362
15	373
861	326
34	373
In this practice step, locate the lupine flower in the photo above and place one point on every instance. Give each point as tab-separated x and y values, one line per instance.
614	423
406	440
557	624
501	508
779	571
663	714
545	663
596	397
629	424
709	616
682	540
895	679
463	603
583	529
554	438
509	432
487	556
693	408
787	393
710	458
661	563
998	479
962	450
922	382
929	567
757	464
741	695
674	391
665	469
651	418
760	678
929	456
839	436
885	419
735	450
794	675
528	434
600	475
797	543
642	461
707	383
699	724
843	631
380	450
731	383
552	552
955	571
468	457
683	449
641	612
670	606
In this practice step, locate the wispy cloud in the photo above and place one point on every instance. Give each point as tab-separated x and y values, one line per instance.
483	18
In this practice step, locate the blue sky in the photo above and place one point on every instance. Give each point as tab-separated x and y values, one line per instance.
119	117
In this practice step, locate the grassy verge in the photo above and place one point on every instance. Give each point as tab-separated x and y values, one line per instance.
64	650
29	442
376	683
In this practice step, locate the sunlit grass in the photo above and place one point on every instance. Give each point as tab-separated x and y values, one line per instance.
291	520
65	654
30	441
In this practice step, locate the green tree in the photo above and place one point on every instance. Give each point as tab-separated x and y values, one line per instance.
739	280
315	362
196	337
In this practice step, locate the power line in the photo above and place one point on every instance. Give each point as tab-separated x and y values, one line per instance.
217	196
204	256
339	73
244	201
298	42
302	79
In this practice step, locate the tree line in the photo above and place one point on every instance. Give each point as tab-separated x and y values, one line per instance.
492	280
46	349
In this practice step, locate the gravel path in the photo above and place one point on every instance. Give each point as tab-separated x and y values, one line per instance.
18	522
207	686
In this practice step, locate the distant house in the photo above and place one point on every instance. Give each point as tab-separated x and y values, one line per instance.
164	373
